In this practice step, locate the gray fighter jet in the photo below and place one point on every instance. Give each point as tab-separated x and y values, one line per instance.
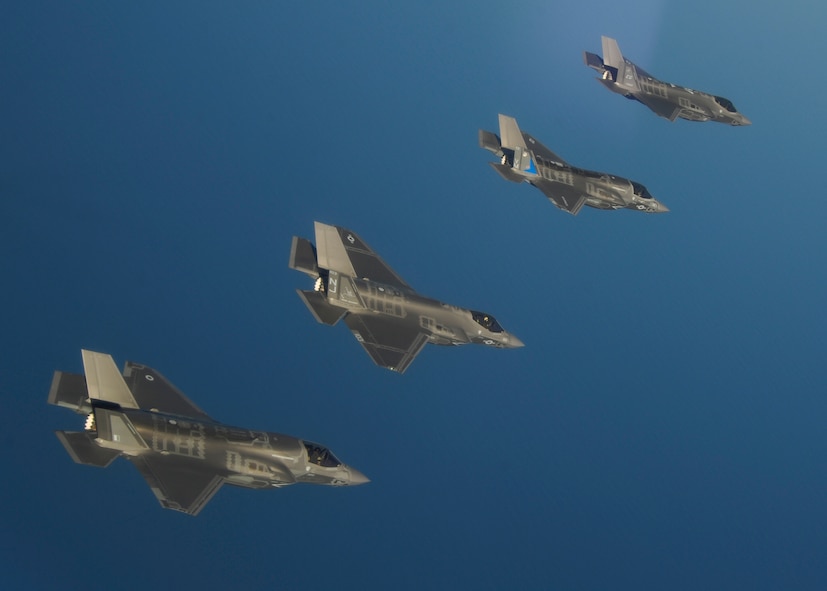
390	320
184	455
523	158
667	100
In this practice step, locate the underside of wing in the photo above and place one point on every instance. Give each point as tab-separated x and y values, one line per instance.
541	150
153	391
178	483
563	196
389	344
661	107
339	249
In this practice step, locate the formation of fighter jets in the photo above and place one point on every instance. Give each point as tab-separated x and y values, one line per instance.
185	456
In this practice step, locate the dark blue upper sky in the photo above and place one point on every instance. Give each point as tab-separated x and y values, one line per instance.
663	428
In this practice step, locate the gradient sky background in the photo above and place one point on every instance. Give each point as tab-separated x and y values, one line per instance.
663	428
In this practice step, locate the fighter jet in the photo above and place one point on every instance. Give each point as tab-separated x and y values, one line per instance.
667	100
184	455
523	158
388	318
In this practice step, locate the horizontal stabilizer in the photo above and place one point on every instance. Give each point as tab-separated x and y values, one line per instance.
303	257
84	450
594	61
69	391
104	381
491	142
507	172
322	311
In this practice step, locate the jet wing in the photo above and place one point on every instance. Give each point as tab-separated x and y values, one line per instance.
390	344
563	196
177	483
152	391
661	107
339	249
542	151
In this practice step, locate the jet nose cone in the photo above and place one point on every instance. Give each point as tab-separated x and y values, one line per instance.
514	342
662	208
357	477
745	121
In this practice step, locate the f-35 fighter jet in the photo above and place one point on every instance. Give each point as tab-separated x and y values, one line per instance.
184	455
523	158
667	100
388	318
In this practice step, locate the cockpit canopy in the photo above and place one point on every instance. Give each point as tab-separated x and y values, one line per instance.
320	455
641	191
726	104
486	321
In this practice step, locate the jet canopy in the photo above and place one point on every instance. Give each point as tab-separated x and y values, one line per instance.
320	455
641	191
486	321
726	104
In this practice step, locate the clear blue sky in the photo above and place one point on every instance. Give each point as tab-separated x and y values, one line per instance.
663	428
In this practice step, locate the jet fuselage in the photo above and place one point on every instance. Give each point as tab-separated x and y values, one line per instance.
445	324
695	105
252	459
665	99
605	191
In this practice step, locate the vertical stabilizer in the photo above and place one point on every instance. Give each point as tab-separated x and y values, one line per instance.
104	381
611	53
513	139
330	252
510	133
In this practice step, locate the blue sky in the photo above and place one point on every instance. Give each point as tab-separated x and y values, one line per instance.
662	428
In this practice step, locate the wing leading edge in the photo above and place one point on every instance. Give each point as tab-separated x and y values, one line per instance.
152	391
